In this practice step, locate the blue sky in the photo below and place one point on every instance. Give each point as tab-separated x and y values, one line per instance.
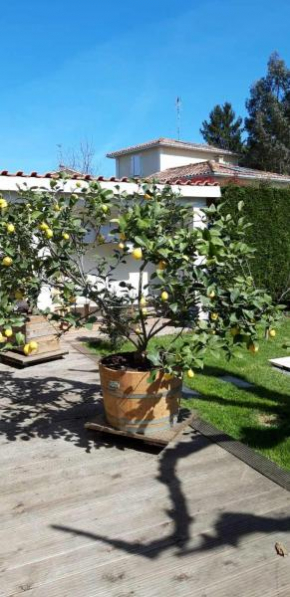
110	71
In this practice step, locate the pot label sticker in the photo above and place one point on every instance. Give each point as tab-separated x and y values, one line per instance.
113	385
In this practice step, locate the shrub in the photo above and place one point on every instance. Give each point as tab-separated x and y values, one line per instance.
268	209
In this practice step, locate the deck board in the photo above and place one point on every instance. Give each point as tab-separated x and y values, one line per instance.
84	515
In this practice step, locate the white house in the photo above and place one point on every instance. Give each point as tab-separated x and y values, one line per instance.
161	154
197	194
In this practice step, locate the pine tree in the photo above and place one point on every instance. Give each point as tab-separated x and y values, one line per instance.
223	129
268	123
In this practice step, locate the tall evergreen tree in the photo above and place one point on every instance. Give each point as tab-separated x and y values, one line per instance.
268	123
223	129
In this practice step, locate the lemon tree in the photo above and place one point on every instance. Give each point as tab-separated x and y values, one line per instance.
197	280
43	242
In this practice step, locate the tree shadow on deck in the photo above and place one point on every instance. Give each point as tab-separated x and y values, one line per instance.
228	530
49	407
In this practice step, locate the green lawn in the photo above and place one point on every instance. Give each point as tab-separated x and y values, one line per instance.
258	416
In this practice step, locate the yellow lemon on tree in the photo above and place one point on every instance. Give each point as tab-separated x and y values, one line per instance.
138	331
214	316
272	333
33	345
2	339
10	228
48	233
234	331
254	348
121	246
211	294
168	376
8	333
164	295
143	301
18	295
43	226
190	373
137	253
65	236
104	208
27	349
57	207
3	203
7	261
161	265
144	311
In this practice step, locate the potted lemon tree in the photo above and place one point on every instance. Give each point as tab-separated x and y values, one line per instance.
193	282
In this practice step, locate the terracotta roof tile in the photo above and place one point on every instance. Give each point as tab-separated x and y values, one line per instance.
213	170
87	177
165	142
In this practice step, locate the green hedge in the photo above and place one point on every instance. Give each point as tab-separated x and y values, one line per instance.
268	209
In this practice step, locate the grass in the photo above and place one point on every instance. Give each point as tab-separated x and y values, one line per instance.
259	416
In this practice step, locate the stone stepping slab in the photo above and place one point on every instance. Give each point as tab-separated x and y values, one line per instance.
237	381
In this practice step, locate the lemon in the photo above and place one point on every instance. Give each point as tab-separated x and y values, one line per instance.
137	253
10	228
8	333
164	295
138	331
122	236
144	311
211	294
18	295
48	233
272	333
143	301
161	265
65	236
43	226
7	261
190	373
168	376
104	208
27	349
57	207
234	331
254	348
121	246
33	345
2	339
3	203
214	316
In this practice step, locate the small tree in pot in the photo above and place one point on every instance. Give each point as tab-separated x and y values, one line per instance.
192	280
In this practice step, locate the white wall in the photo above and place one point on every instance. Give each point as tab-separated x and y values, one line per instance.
160	158
171	157
150	163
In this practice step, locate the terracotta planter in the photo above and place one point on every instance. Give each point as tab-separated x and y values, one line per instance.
134	404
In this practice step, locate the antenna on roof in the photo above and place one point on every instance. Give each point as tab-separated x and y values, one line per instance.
178	110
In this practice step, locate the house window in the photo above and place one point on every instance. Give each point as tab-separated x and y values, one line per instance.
135	165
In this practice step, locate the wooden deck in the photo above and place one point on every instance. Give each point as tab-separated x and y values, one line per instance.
88	516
